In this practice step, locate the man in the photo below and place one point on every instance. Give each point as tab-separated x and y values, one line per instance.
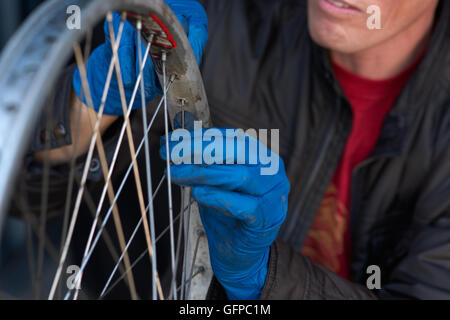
364	132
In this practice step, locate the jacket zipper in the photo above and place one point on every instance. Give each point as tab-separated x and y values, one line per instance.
318	163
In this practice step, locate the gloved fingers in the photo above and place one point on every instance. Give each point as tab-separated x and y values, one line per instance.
239	178
183	21
198	32
116	21
78	87
216	146
126	51
95	68
128	32
197	38
240	206
192	11
126	56
194	19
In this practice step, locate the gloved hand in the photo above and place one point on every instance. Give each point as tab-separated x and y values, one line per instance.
190	13
193	17
241	209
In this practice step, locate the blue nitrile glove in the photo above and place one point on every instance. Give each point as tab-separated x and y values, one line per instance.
241	208
192	15
189	12
98	66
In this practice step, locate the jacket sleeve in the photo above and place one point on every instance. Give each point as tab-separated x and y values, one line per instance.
293	276
424	273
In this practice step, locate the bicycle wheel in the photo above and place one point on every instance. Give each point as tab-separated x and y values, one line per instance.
29	69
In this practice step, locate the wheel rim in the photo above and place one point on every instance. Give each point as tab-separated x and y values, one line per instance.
48	26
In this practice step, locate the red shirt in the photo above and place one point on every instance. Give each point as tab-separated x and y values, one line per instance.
328	241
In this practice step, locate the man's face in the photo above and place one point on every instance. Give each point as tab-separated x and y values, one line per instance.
341	25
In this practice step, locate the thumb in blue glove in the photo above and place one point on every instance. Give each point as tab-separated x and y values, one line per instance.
241	210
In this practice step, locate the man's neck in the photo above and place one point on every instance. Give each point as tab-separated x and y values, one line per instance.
391	57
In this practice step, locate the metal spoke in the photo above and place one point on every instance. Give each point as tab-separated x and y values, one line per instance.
32	226
143	254
70	185
105	170
122	185
30	251
91	208
200	234
180	228
171	80
43	214
122	131
117	149
200	270
147	164
85	173
116	152
62	187
111	196
48	246
105	234
187	219
132	151
131	239
169	180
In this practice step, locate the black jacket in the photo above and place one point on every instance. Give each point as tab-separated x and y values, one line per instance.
262	70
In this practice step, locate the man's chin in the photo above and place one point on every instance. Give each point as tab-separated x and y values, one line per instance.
334	41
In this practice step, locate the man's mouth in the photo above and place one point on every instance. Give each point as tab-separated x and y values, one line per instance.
338	7
339	4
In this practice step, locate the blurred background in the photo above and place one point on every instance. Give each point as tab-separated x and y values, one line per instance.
16	271
12	14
